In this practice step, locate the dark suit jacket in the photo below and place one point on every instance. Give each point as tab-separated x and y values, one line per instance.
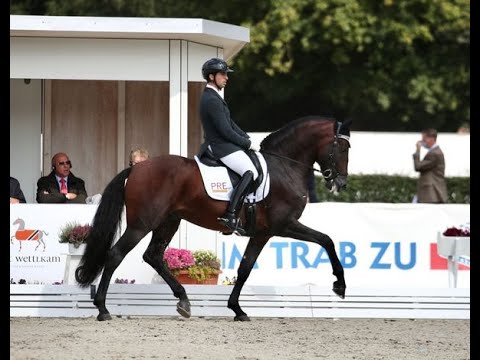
431	185
49	183
15	190
220	131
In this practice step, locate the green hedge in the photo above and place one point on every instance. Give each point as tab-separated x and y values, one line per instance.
390	189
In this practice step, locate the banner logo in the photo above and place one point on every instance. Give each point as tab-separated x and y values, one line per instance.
438	262
23	234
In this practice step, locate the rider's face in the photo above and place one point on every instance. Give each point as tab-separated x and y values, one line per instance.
221	79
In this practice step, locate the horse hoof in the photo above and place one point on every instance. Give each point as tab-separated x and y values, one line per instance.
103	317
243	317
183	308
340	291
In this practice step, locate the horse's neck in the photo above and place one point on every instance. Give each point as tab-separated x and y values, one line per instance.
303	153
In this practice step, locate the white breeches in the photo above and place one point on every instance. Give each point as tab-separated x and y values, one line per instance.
240	163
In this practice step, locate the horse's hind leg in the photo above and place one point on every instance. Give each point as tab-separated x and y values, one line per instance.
114	257
254	247
161	237
40	241
299	231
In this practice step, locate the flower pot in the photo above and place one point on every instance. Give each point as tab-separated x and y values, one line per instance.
74	256
184	278
72	250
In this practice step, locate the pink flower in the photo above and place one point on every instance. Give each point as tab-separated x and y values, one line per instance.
177	259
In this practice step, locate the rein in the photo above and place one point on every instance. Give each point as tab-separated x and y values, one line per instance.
290	159
327	173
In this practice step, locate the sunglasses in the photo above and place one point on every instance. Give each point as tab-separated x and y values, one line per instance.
65	163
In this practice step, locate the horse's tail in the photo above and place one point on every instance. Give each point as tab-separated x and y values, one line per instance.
104	228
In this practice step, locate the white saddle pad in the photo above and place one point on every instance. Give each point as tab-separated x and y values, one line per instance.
218	185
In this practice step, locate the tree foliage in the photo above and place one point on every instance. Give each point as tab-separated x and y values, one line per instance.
389	65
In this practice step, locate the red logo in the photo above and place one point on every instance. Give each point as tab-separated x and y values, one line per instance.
23	234
439	263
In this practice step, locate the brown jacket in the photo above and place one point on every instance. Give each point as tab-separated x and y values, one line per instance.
431	185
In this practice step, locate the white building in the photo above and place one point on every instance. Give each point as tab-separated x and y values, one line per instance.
95	87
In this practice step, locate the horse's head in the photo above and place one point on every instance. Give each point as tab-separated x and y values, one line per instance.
334	158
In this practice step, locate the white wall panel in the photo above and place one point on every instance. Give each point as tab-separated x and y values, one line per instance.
197	55
25	134
100	59
175	97
390	153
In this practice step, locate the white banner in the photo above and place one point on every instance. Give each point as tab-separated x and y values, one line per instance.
36	256
379	245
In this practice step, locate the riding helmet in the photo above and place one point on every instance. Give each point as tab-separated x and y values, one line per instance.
213	66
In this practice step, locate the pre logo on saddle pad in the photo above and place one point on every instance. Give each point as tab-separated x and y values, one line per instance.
218	184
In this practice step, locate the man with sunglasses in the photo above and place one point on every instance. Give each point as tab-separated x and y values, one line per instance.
61	186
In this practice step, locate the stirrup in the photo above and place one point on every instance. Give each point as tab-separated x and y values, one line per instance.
233	225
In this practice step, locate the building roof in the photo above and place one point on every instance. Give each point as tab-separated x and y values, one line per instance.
231	38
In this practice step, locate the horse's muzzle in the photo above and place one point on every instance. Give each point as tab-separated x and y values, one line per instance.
338	184
341	182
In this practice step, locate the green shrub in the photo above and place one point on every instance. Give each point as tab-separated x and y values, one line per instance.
390	189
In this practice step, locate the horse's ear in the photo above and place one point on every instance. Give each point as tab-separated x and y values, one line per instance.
345	127
346	124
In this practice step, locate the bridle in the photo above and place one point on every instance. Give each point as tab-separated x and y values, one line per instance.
331	173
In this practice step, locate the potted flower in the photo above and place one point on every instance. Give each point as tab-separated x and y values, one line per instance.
454	231
74	234
193	267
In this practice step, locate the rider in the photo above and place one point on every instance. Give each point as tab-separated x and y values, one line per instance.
225	139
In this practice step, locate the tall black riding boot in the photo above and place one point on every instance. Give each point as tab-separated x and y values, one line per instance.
229	219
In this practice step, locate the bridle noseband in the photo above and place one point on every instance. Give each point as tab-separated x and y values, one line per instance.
331	173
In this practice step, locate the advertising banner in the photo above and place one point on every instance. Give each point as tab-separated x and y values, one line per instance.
379	245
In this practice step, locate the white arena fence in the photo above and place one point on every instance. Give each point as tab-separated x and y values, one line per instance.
393	152
256	301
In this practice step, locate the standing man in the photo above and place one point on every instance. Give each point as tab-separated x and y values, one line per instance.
224	138
431	185
61	186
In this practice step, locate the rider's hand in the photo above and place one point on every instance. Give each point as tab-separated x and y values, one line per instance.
254	146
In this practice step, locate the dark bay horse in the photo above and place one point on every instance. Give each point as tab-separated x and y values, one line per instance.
162	191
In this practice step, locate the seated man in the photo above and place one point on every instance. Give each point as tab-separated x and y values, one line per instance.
61	186
16	193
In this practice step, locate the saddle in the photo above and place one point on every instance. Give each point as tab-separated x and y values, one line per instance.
219	182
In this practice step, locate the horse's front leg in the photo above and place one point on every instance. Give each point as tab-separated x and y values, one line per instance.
161	237
299	231
254	247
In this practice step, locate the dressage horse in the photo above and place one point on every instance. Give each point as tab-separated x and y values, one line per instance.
163	190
